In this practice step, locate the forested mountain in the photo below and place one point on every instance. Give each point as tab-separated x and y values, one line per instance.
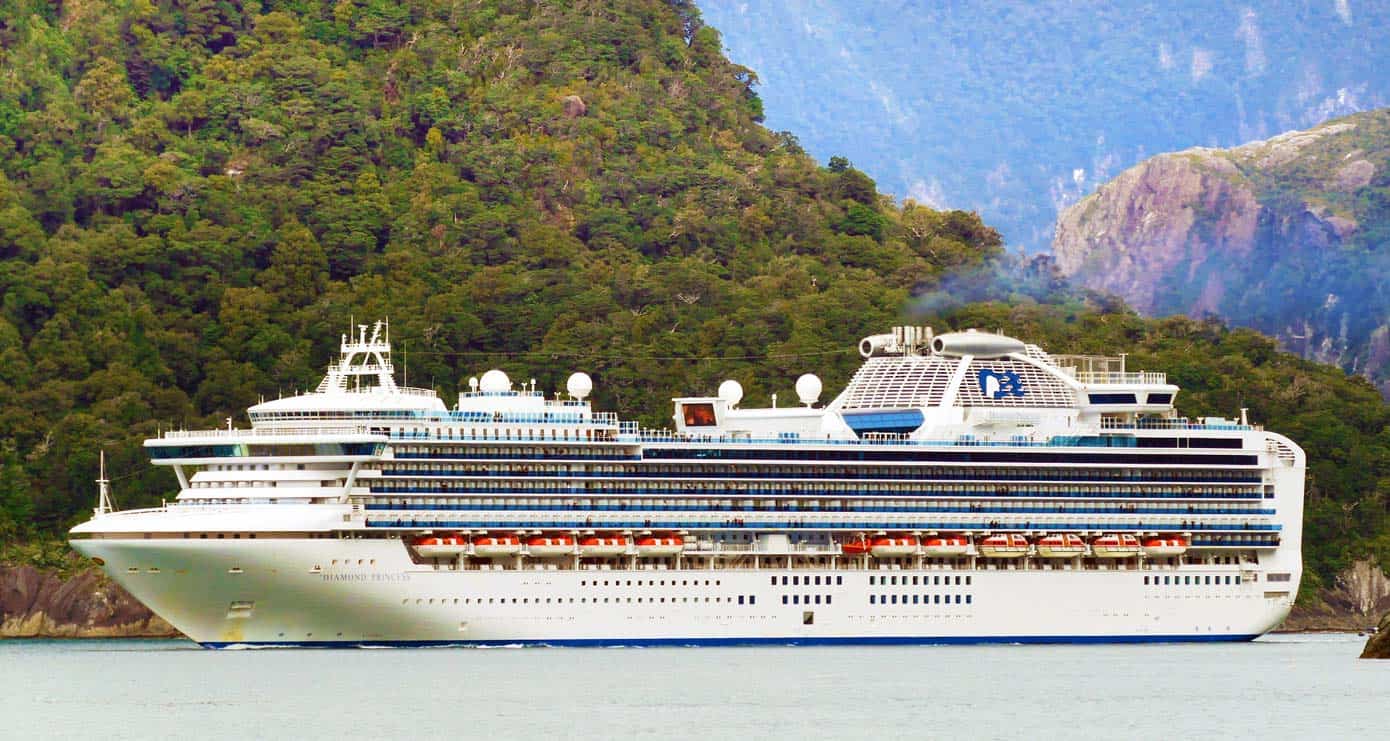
1020	108
196	198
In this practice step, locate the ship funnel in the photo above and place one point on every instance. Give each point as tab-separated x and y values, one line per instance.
878	344
977	344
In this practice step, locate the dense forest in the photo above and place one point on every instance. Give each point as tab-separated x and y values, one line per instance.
198	197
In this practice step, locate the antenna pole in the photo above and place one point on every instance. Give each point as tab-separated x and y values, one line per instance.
103	490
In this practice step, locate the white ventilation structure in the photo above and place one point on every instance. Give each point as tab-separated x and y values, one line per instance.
897	382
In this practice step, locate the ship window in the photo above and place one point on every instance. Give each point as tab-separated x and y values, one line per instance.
871	599
967	599
1146	580
967	581
958	599
740	599
752	599
784	599
839	580
784	581
936	599
827	599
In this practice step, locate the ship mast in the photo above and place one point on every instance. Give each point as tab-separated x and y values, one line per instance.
103	490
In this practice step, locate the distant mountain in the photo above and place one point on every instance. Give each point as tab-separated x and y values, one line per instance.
1289	235
1020	109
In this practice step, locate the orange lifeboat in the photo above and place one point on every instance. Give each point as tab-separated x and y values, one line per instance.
659	546
549	546
1004	545
856	547
1164	546
602	546
1061	545
1115	546
496	546
945	545
445	545
893	546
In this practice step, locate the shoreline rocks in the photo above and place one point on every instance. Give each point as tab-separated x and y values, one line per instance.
36	603
1378	646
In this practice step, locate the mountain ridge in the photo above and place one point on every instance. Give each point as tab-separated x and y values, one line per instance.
1018	110
1182	232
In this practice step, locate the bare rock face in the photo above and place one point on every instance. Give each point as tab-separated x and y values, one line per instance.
574	106
40	604
1360	594
1168	219
1277	235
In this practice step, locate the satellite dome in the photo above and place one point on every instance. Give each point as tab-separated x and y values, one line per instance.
579	385
495	381
808	388
731	392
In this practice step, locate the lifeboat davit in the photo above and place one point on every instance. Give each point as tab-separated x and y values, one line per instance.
857	547
945	545
1004	545
1061	545
893	546
549	546
659	546
496	546
602	546
447	545
1115	546
1163	546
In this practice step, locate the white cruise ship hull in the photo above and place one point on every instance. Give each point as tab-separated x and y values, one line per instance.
367	514
291	592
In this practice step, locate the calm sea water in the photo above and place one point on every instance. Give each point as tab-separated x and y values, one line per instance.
1303	687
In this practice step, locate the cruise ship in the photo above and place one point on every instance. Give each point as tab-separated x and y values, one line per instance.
964	487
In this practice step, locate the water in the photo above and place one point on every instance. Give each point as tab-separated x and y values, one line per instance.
1305	687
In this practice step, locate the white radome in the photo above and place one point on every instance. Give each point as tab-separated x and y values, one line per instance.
808	388
579	385
731	392
495	381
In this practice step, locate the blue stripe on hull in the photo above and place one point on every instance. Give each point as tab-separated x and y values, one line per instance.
690	642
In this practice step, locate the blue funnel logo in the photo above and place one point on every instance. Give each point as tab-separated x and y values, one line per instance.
996	385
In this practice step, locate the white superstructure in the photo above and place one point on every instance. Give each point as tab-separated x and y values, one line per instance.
965	487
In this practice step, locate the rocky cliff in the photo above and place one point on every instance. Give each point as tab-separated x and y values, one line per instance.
41	603
1286	235
1358	595
1378	646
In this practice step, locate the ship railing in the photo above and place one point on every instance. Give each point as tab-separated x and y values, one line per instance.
1176	423
266	432
563	415
1105	377
754	548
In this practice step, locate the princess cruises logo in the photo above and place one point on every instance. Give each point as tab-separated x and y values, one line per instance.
997	385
